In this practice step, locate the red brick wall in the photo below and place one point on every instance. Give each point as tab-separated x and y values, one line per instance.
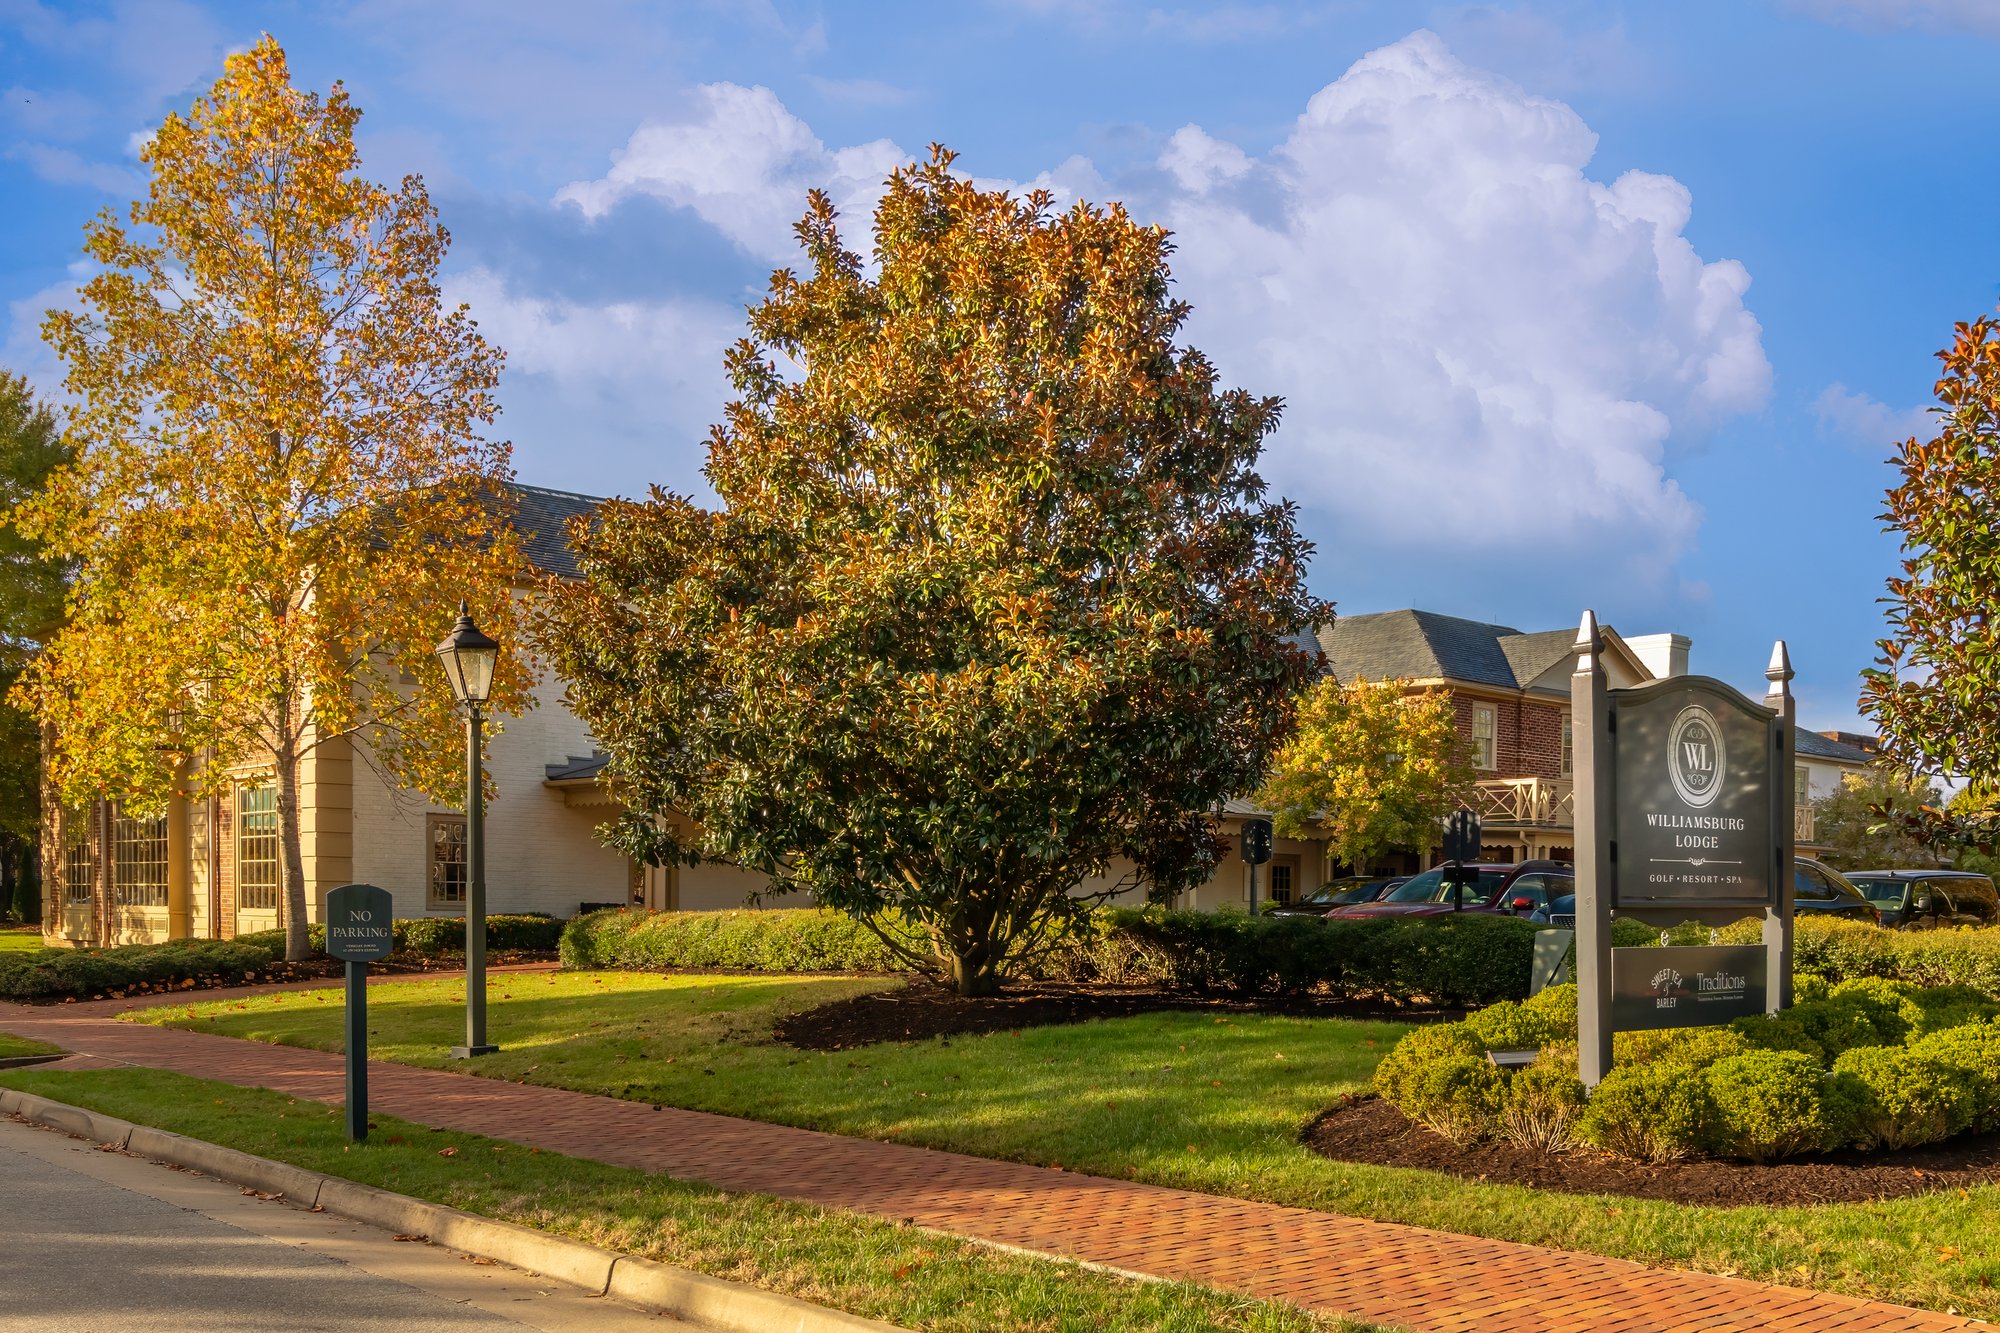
1527	735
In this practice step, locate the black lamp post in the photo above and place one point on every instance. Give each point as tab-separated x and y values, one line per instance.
468	657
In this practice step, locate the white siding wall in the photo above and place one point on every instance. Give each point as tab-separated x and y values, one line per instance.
541	856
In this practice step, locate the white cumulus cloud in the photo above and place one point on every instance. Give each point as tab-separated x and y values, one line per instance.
1869	423
644	377
1980	16
1484	349
743	164
1488	354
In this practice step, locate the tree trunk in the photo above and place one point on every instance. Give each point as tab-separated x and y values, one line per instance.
973	973
291	853
29	896
7	881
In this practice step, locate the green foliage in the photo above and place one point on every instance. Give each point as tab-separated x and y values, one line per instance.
1541	1104
1656	1112
1629	934
1696	1047
1901	1097
1555	1006
51	974
780	940
1844	950
1514	1026
1473	960
1864	824
1974	1051
1935	695
1439	1077
1768	1104
995	600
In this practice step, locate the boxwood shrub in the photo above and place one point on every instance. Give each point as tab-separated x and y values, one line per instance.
1867	1063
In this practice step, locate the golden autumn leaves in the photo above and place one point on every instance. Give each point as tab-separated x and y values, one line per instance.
281	488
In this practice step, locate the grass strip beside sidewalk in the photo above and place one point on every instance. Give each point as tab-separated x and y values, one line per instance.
907	1276
11	1046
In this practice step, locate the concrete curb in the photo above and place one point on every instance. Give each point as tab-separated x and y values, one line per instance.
696	1297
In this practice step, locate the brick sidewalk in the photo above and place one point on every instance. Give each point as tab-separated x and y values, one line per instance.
1431	1281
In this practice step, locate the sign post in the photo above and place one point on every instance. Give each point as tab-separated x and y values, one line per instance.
1463	837
358	932
1683	813
1256	851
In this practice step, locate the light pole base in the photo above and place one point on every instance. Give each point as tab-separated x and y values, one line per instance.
467	1052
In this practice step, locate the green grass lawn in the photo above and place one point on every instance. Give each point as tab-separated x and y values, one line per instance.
11	1046
914	1278
1182	1099
20	939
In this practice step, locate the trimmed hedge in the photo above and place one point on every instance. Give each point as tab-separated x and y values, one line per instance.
444	936
53	974
50	974
790	939
1462	960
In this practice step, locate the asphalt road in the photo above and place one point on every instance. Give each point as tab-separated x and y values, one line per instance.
100	1242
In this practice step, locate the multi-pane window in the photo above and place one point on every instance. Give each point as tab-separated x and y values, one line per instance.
138	861
1281	882
1568	747
257	847
1801	785
447	861
1485	747
77	868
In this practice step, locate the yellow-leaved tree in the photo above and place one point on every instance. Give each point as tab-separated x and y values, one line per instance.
1373	767
280	491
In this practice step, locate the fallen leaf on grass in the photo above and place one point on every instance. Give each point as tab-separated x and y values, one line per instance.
447	1152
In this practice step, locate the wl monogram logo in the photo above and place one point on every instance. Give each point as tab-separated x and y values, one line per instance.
1696	759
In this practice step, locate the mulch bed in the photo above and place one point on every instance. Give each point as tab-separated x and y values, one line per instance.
1368	1129
925	1008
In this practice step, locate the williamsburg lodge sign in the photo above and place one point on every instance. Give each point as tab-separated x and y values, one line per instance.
1693	774
1683	812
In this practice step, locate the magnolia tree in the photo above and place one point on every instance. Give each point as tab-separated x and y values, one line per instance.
280	491
1373	767
994	607
1935	692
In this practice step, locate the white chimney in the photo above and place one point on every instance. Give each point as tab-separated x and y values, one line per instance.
1664	654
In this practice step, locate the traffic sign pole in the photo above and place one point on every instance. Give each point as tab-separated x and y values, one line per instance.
357	1051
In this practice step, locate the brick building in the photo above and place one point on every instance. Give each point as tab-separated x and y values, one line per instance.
1511	692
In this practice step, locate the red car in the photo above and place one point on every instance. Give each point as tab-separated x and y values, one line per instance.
1496	890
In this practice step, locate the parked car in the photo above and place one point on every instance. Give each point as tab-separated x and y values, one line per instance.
1820	890
1816	889
1503	890
1929	899
1335	893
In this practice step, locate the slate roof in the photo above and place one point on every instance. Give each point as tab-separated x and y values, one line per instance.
1530	655
542	518
1812	745
574	767
1423	645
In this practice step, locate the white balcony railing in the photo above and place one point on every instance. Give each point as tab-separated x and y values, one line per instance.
1802	823
1537	802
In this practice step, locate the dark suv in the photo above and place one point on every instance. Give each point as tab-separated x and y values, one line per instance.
1929	899
1496	890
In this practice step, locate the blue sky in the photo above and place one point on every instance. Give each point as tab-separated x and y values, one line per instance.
1605	304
